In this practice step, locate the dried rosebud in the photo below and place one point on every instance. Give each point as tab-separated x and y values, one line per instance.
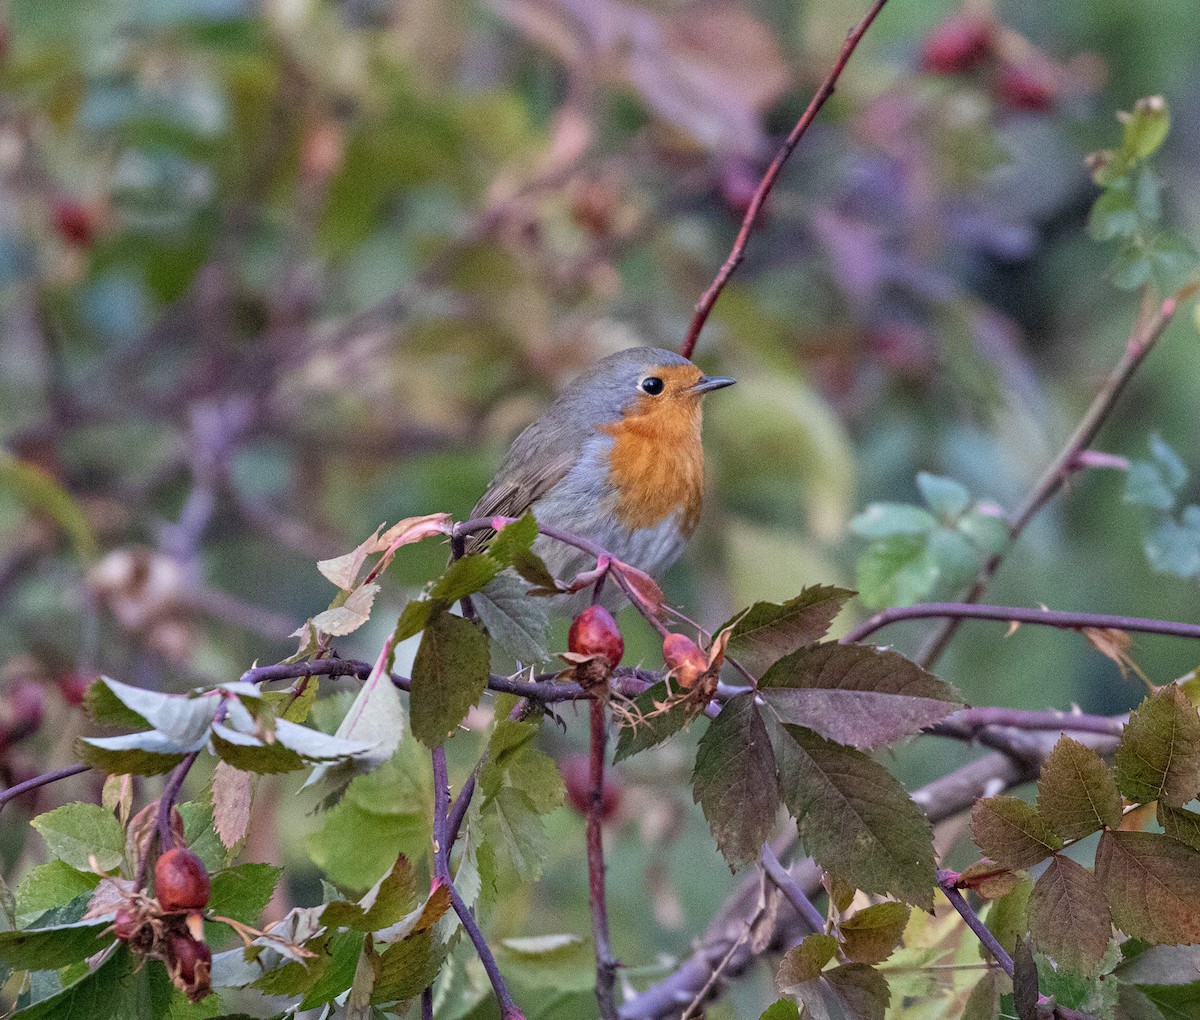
577	779
134	929
685	659
957	44
1027	86
595	632
189	963
181	882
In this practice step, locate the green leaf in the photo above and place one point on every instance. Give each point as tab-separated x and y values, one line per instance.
1152	884
355	846
408	967
1006	918
945	497
853	991
449	675
1131	268
414	617
984	1001
76	832
465	576
1146	128
1114	214
856	694
652	725
384	903
513	541
243	892
342	952
1180	824
883	520
1068	917
51	948
511	762
1158	757
896	571
1077	794
734	781
1158	1002
141	754
48	886
768	631
781	1009
249	753
856	820
1173	260
181	718
200	834
1011	832
39	492
512	840
1173	547
1145	486
516	622
872	934
104	707
1162	965
806	961
987	532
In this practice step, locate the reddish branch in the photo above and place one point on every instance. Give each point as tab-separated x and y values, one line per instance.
13	792
606	965
1149	327
709	298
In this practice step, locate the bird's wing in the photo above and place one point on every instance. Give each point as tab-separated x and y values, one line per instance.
534	465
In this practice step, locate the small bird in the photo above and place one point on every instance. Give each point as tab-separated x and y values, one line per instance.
616	459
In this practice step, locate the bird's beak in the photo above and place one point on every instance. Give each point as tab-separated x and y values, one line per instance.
708	383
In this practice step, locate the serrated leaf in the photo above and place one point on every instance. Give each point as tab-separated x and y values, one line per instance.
855	819
414	617
421	918
51	948
1158	1002
449	675
47	886
516	622
1011	832
383	904
231	796
1068	917
1114	214
512	840
1180	824
465	576
651	725
103	706
76	832
513	541
351	614
1174	548
354	846
896	571
985	531
1152	884
247	753
1158	757
200	835
1006	918
806	961
984	1001
856	694
1077	794
944	496
871	935
243	892
139	754
768	631
734	780
853	991
1173	261
407	967
342	952
1162	965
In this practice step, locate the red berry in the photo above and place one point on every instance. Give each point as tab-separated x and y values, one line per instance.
74	221
577	778
189	963
957	44
595	632
73	687
1028	86
684	658
181	881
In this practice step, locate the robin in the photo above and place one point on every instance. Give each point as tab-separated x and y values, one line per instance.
616	459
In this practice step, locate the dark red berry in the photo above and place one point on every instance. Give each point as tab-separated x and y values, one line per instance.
957	44
75	222
189	963
684	658
577	779
181	882
1029	86
73	687
595	632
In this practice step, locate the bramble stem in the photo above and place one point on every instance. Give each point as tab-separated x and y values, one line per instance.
784	882
709	298
606	966
13	792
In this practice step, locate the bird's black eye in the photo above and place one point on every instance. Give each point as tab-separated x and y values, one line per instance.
652	384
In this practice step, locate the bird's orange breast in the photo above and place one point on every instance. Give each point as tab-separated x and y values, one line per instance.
657	463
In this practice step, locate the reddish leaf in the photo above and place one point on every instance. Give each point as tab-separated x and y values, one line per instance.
1180	823
1012	832
1152	884
988	879
1025	981
734	781
1158	757
1077	794
1068	917
856	694
873	933
766	632
853	991
231	802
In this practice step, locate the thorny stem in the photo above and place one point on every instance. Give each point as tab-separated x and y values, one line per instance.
709	298
606	966
959	611
784	882
1146	332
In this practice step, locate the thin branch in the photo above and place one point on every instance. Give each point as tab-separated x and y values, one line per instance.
1142	340
606	965
13	792
947	882
784	882
958	611
441	811
508	1008
709	298
970	722
166	838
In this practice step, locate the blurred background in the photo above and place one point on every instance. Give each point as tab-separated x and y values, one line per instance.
273	273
